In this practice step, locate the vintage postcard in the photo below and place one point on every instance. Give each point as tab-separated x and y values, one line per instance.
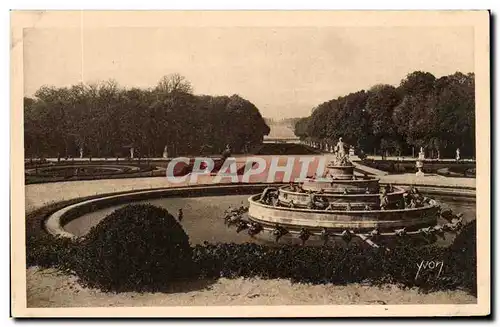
250	163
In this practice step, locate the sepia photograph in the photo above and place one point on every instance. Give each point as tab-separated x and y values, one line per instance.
250	163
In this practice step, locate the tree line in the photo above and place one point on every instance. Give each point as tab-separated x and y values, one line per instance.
105	120
437	114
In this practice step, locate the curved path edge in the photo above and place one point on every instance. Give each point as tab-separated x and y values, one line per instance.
55	222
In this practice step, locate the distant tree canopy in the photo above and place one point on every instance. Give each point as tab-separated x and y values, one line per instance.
105	119
437	114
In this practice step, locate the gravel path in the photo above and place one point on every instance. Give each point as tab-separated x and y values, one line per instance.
48	288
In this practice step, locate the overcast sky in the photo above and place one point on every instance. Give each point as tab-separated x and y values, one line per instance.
284	71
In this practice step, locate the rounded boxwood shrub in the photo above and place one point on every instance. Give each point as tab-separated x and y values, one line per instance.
135	248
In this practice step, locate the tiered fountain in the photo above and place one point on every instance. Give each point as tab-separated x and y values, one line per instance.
340	203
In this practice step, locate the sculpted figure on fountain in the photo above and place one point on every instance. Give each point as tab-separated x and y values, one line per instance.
339	148
341	157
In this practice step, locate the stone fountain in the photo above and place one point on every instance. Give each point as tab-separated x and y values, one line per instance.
339	203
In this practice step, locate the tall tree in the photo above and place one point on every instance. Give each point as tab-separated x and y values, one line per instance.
437	114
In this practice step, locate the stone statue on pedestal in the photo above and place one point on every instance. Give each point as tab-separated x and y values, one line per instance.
339	148
421	154
341	158
419	164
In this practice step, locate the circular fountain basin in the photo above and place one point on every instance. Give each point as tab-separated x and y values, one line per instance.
204	211
358	220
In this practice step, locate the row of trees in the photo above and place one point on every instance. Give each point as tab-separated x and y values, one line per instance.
105	119
437	114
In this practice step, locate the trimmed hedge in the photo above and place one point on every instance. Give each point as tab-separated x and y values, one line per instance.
457	172
320	265
145	170
47	251
143	248
399	167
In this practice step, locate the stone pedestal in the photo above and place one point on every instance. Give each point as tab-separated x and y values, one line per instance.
340	172
421	155
419	166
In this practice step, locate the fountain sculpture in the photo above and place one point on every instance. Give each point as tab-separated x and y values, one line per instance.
340	203
420	163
